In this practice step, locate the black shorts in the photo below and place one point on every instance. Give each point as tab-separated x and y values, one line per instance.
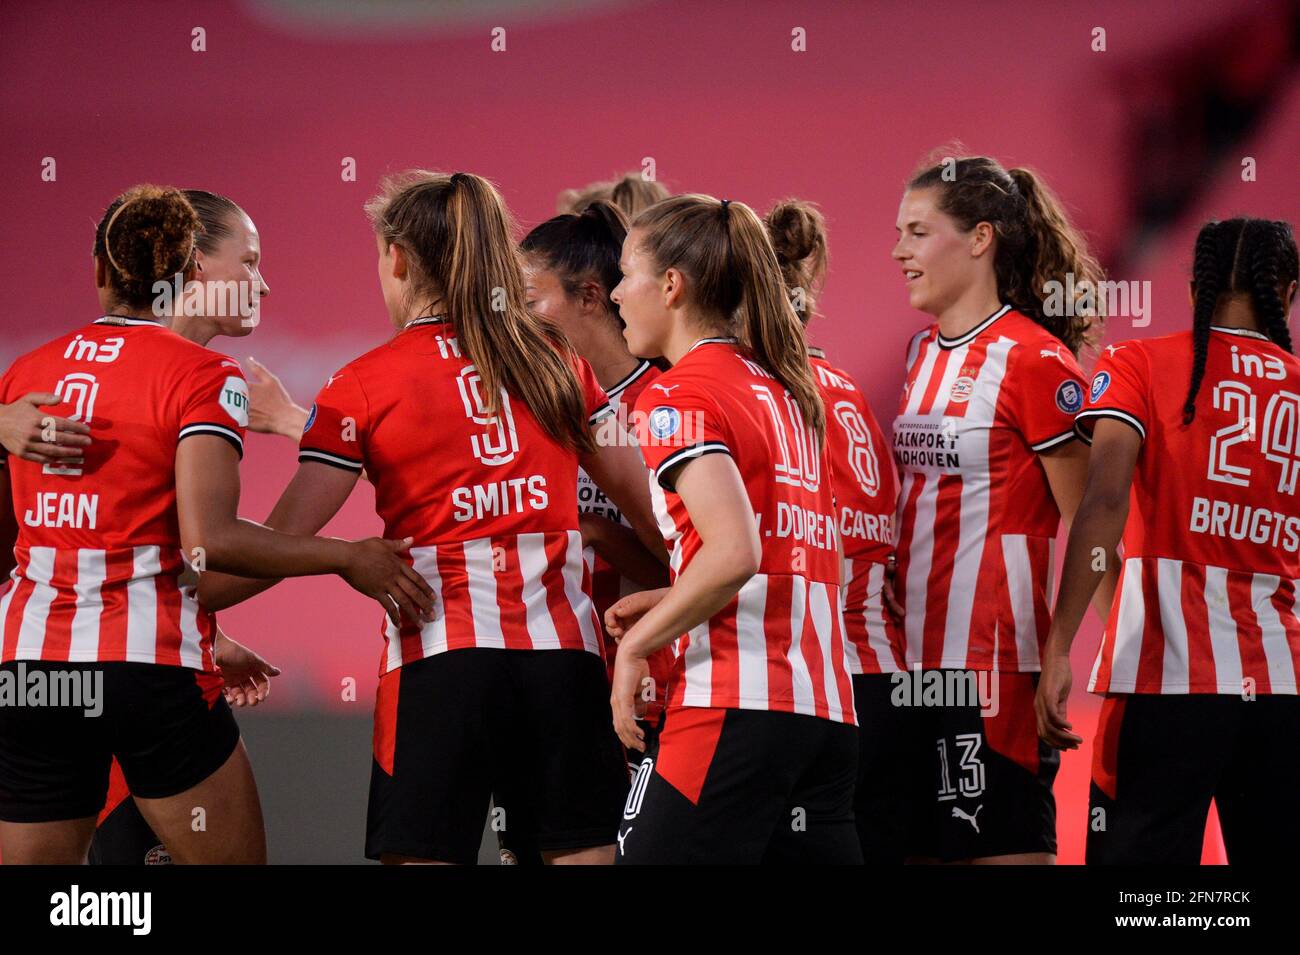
518	845
886	807
1158	760
531	727
168	726
981	784
743	787
123	837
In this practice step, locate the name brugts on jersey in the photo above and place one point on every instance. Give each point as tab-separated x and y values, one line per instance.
513	496
58	511
1241	522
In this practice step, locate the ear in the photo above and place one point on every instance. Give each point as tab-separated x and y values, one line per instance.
1191	294
101	272
592	297
198	262
981	238
400	263
674	286
1289	298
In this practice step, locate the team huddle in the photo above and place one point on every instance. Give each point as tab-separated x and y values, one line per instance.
659	588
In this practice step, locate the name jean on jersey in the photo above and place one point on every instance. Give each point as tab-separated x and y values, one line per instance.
63	510
73	689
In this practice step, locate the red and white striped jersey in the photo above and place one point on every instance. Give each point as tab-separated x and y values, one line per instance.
99	548
866	494
1207	593
977	520
491	501
779	644
608	586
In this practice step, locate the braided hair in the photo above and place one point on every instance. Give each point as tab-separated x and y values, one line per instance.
1253	257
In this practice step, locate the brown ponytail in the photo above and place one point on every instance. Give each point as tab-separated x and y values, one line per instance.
726	255
146	235
798	233
631	192
1036	243
456	232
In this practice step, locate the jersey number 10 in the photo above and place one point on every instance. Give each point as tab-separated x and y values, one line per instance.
798	455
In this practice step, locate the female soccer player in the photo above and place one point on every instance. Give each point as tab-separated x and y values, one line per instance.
100	547
1195	458
227	259
866	494
757	754
984	443
505	690
570	267
631	192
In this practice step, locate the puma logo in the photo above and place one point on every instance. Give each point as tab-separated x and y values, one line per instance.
666	389
959	813
1111	349
1051	353
623	836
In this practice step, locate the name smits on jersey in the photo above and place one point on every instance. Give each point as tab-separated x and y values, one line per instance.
513	496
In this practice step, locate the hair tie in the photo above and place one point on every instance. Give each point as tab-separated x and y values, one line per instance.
457	178
108	246
725	203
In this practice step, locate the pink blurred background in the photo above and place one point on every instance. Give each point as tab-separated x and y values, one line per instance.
1143	140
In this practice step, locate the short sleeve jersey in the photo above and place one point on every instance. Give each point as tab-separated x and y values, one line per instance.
866	494
490	499
1206	601
977	520
779	644
99	549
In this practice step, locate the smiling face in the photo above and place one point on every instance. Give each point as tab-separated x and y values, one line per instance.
232	277
643	298
939	261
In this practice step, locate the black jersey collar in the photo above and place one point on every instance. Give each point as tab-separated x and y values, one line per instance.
974	332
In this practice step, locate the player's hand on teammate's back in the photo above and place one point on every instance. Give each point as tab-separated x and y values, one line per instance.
245	676
1050	701
620	618
378	571
36	435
